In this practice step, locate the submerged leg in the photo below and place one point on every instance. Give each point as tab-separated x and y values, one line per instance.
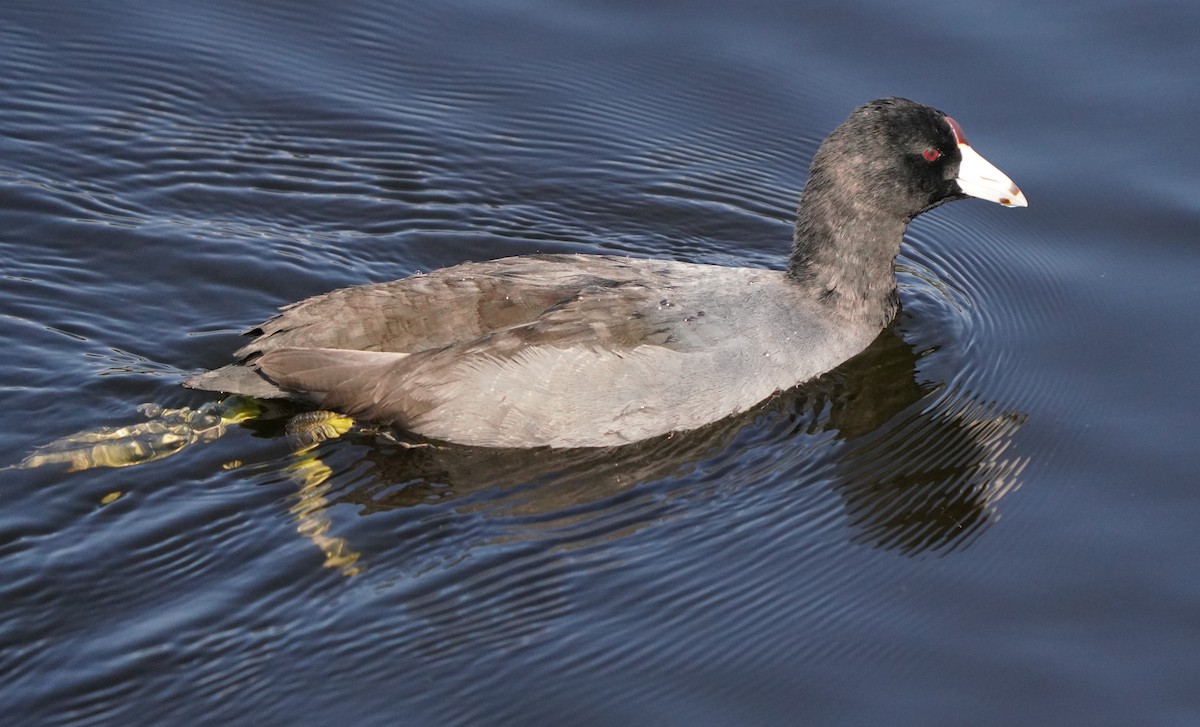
311	474
168	431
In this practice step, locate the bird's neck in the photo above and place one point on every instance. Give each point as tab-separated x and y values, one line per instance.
844	254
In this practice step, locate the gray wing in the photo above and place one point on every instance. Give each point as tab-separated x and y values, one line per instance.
440	309
427	311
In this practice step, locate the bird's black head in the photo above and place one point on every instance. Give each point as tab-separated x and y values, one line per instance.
902	158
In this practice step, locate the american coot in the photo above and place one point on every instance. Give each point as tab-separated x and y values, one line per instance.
589	350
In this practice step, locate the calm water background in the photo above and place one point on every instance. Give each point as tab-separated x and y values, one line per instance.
988	519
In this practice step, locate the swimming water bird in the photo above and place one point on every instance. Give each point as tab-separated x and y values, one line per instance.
591	350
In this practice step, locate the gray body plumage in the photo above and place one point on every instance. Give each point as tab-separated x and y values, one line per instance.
554	350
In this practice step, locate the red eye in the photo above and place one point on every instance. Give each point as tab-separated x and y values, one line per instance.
931	154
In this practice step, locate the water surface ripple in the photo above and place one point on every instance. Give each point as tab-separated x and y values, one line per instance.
987	517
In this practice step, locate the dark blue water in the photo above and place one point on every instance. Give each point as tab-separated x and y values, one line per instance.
989	518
